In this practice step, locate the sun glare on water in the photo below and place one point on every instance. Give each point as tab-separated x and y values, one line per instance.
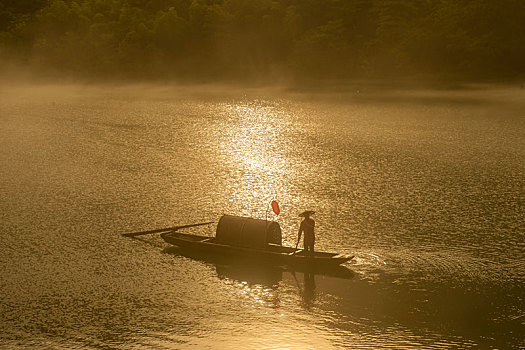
253	149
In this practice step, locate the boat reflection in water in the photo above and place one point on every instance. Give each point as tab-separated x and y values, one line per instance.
279	279
254	272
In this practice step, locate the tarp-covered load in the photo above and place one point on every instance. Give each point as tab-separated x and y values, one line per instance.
247	232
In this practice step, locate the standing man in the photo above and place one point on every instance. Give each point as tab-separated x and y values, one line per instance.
307	226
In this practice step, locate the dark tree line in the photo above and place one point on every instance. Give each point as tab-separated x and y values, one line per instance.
218	39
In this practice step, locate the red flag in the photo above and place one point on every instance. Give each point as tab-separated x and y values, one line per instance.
275	207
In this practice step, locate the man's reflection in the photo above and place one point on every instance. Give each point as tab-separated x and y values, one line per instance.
309	289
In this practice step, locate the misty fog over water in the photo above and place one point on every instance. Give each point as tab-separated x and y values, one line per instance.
424	187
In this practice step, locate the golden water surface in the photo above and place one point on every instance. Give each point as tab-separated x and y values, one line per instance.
425	188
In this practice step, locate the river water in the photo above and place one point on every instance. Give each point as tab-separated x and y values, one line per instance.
424	187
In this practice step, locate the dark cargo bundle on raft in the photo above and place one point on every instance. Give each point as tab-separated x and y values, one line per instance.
247	232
